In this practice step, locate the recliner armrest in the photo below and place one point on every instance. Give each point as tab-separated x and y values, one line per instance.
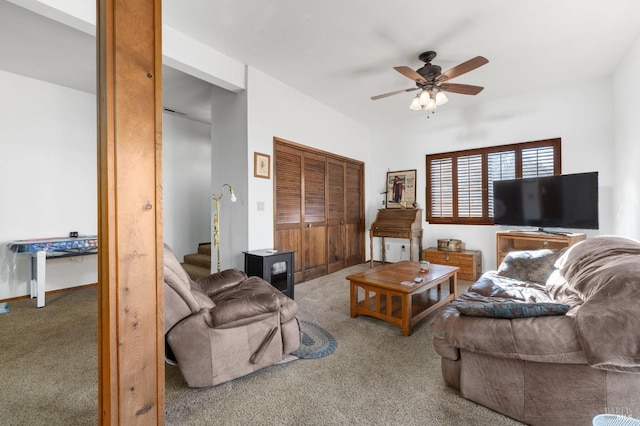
243	308
220	281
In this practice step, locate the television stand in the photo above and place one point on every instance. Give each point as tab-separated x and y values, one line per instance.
544	231
508	241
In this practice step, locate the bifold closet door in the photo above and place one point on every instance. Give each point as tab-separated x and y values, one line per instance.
314	173
319	209
336	223
288	205
354	214
300	216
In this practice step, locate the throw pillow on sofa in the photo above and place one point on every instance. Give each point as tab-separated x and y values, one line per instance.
510	309
529	265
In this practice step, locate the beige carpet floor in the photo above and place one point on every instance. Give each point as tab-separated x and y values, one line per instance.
376	376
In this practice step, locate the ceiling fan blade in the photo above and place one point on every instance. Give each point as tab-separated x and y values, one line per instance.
463	68
373	98
463	89
410	74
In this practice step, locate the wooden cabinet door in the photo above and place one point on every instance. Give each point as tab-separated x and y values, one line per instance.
336	216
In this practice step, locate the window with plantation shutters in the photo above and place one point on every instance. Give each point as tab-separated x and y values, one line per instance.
470	186
502	165
442	187
460	183
537	162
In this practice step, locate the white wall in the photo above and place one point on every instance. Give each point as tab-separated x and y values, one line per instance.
571	114
48	150
247	122
48	175
277	110
178	50
626	109
229	166
186	176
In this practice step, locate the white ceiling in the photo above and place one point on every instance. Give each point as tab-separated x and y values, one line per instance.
41	48
341	52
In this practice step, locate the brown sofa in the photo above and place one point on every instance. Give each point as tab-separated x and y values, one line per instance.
226	325
554	369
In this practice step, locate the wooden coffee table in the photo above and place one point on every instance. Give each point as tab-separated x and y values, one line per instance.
378	292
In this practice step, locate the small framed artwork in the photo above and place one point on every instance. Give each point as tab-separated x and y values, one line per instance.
401	189
261	165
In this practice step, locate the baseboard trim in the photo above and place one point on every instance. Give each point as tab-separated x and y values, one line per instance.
26	296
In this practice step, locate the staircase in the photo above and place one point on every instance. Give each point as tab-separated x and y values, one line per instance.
198	264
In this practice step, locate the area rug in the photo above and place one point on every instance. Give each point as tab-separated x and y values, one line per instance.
315	341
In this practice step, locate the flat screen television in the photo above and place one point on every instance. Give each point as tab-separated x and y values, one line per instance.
561	201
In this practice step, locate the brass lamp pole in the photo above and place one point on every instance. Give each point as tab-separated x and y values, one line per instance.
216	218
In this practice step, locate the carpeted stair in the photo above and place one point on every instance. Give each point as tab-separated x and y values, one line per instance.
198	264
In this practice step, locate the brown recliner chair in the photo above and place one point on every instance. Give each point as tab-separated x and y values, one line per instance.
226	325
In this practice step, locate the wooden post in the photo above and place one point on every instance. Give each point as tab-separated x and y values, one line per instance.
130	300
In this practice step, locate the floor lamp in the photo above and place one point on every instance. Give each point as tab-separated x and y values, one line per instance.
216	218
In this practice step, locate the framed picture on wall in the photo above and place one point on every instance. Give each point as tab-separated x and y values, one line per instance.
401	189
261	165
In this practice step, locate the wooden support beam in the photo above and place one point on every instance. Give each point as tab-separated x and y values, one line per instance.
130	300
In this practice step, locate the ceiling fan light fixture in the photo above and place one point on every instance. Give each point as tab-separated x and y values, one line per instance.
432	82
424	97
415	104
441	98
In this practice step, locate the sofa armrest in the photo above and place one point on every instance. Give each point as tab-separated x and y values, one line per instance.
209	355
288	307
220	281
445	350
243	308
190	343
541	339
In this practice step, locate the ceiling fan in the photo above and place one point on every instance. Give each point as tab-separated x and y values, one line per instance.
433	83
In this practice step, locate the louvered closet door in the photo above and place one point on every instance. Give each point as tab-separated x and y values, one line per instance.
319	209
336	223
314	171
288	205
354	213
